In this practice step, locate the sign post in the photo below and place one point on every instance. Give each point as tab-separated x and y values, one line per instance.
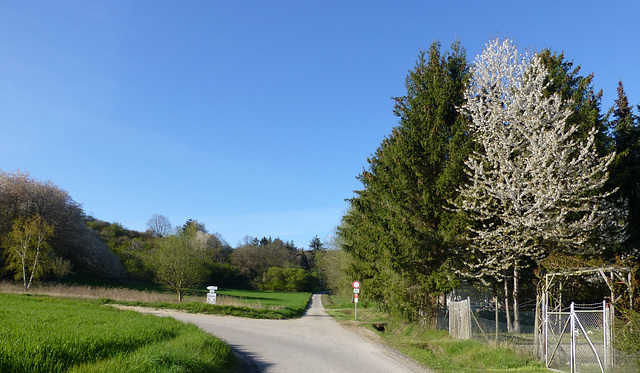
211	295
356	291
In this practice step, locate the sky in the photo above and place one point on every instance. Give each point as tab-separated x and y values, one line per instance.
252	117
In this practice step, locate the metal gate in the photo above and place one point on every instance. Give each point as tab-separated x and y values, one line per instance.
579	340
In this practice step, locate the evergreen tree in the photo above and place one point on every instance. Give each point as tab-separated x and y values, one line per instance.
625	170
577	91
397	229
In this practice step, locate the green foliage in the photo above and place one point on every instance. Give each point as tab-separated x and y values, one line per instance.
565	79
625	169
28	249
177	263
253	259
332	266
288	279
130	246
627	331
398	229
23	197
51	335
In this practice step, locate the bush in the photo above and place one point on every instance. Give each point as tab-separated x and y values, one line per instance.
288	279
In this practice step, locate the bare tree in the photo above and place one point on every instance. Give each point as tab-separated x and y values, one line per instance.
159	225
534	185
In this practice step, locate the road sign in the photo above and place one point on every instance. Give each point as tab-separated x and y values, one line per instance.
356	290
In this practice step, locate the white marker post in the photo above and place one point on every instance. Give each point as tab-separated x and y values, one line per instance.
211	295
356	291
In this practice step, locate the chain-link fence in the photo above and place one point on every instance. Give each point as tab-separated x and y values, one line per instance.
582	345
489	325
579	339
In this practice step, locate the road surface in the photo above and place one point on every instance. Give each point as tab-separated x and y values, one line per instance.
312	343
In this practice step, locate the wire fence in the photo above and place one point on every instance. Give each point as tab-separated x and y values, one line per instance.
488	326
587	331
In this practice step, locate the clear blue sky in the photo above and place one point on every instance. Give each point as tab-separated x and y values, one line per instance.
253	117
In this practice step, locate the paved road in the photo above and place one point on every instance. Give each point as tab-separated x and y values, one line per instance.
313	343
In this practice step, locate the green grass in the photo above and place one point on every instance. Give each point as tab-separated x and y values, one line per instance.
269	298
433	348
270	304
43	334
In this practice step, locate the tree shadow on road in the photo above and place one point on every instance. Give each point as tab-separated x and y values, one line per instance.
248	362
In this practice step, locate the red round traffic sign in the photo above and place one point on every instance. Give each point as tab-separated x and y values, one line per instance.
356	285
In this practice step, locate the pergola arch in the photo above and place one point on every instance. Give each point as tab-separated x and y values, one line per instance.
609	274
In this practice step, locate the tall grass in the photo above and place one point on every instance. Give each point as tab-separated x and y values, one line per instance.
43	334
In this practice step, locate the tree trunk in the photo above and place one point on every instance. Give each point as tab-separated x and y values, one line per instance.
496	302
33	269
506	303
516	316
24	274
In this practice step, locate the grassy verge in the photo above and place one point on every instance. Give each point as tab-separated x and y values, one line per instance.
433	348
294	308
248	303
245	303
43	334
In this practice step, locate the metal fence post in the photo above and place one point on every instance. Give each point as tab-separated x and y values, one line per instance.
572	358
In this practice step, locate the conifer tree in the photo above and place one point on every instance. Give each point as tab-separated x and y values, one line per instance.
397	228
625	170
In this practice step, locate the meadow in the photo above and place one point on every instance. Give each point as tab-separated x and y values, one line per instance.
46	334
244	303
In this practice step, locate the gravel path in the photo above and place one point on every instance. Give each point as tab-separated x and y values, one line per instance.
312	343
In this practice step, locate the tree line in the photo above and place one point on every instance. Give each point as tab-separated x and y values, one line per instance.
46	236
498	169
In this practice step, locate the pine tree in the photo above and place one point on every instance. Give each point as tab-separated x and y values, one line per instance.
625	170
397	228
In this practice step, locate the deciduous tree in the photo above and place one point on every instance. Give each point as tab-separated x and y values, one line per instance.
21	196
159	225
534	186
28	249
177	262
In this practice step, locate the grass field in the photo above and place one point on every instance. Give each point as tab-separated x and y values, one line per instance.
244	303
44	334
433	348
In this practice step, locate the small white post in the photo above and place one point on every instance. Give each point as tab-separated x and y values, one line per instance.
211	296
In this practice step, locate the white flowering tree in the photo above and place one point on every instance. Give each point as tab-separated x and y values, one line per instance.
533	186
